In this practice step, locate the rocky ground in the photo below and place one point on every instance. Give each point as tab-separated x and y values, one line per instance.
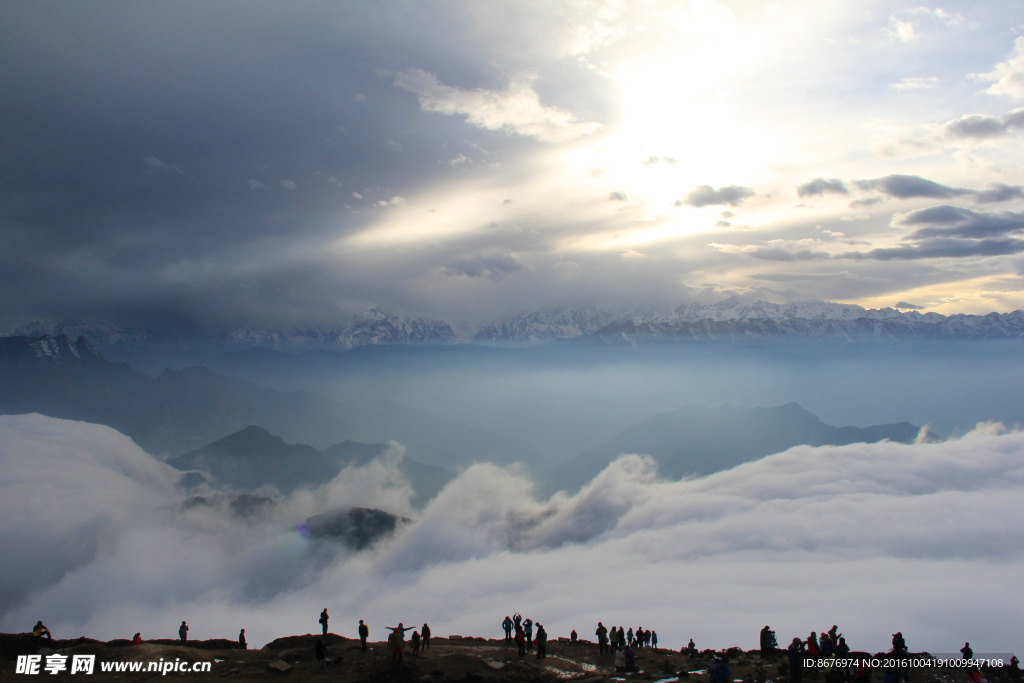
448	659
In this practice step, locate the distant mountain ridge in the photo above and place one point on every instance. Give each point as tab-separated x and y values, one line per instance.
181	410
543	325
253	457
701	440
735	318
729	319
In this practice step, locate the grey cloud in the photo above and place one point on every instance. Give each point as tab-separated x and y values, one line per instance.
821	186
780	254
493	267
999	192
617	196
705	195
790	277
954	221
909	306
909	186
976	126
941	248
866	201
983	126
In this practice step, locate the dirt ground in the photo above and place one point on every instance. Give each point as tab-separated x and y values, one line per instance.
448	659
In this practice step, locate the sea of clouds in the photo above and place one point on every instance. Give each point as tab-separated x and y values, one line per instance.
926	539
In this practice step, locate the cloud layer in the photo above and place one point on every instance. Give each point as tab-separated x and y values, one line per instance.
920	538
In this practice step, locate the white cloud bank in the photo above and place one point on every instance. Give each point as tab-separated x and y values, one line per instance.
926	539
517	109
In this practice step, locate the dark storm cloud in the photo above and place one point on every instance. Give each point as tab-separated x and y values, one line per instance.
909	186
187	159
705	195
821	186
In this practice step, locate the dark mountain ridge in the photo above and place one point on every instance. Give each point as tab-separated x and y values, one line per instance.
253	458
701	440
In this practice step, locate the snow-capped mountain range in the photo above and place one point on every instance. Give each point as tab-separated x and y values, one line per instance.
544	325
730	319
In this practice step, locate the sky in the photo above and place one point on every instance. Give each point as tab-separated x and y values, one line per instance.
923	538
265	164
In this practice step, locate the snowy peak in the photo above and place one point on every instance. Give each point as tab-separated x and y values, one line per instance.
735	318
539	326
47	350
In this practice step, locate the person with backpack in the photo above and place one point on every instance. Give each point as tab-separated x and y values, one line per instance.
415	640
323	620
425	634
507	625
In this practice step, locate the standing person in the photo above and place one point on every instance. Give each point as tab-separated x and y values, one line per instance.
796	660
602	638
630	659
528	630
654	639
425	633
573	637
320	652
137	639
507	625
898	643
323	620
397	640
517	620
183	632
629	637
622	638
966	651
364	633
241	640
520	640
613	640
415	639
542	642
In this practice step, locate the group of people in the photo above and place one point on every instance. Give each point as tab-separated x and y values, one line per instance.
396	641
619	639
419	640
520	631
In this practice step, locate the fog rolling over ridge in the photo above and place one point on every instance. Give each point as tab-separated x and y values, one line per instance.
924	538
